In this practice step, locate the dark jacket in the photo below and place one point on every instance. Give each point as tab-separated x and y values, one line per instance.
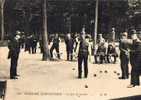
69	44
14	48
56	41
135	56
123	46
83	48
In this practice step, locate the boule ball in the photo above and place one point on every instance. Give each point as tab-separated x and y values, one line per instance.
86	86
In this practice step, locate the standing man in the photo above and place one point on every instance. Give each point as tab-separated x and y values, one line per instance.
124	55
34	44
100	39
55	46
28	43
14	50
135	59
69	46
83	56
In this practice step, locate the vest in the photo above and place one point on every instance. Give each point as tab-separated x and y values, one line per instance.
56	41
83	48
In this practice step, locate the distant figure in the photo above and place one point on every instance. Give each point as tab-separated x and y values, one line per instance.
22	39
101	53
41	43
111	52
83	56
28	44
69	46
100	39
55	46
14	50
135	60
34	44
124	55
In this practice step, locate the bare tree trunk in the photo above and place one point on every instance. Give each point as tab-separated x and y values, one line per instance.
2	19
96	22
46	51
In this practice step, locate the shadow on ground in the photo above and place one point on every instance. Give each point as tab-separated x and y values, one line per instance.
136	97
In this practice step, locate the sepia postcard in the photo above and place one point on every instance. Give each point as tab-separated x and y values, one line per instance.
70	49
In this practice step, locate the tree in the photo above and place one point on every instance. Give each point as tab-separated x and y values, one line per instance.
46	51
2	19
134	14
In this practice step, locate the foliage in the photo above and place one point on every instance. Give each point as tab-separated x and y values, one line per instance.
26	15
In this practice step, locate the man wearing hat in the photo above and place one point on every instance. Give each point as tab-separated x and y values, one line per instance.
124	55
135	60
14	50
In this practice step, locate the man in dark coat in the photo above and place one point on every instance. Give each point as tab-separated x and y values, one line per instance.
14	50
69	47
34	44
124	55
83	56
135	60
28	43
55	46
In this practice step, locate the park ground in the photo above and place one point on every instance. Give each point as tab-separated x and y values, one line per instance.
57	80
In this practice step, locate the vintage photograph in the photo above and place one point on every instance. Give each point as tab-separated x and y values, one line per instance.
70	49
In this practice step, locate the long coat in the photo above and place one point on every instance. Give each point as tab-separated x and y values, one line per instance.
14	48
135	56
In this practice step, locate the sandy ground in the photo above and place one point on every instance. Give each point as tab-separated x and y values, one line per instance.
57	80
